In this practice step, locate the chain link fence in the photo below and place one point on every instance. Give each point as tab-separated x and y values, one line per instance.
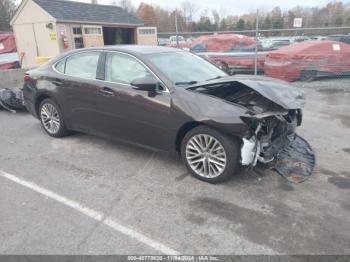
291	54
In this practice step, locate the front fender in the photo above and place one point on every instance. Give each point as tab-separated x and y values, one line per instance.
211	111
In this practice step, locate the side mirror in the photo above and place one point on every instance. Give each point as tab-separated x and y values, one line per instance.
147	83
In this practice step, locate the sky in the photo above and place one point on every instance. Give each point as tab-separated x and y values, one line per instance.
228	7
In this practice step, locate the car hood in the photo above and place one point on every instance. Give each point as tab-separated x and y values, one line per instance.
276	91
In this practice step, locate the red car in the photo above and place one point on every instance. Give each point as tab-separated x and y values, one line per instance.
308	60
8	52
231	52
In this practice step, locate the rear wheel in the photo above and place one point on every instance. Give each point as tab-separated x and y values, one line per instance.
52	119
209	155
308	75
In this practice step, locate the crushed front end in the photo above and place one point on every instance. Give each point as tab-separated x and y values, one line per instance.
269	134
273	112
273	141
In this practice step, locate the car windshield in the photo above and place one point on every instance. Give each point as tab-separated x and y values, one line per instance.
183	68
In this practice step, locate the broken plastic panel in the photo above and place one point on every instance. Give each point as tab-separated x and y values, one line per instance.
11	100
296	161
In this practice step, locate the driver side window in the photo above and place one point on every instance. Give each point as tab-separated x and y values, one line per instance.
122	68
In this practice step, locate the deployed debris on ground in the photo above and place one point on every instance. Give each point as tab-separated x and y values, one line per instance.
296	161
11	100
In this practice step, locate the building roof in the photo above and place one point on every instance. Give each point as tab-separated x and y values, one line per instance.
69	11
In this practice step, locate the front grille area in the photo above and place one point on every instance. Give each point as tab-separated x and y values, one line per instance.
276	133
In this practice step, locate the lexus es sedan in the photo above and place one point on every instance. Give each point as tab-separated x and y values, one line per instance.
166	99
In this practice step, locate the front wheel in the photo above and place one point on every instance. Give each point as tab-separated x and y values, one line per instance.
210	155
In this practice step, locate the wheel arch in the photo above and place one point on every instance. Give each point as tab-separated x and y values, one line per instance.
185	128
311	70
41	97
182	132
38	101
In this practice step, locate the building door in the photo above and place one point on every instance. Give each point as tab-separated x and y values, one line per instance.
118	36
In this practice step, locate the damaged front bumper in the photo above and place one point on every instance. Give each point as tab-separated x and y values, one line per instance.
270	134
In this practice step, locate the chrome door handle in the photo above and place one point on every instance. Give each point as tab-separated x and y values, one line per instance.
106	91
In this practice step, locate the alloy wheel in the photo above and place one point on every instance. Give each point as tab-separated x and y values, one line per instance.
206	156
50	118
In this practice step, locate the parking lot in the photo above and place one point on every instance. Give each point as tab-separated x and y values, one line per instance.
86	195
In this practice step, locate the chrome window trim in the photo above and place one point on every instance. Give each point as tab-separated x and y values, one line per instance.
118	83
142	63
70	55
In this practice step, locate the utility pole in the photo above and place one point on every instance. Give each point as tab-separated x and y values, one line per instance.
177	31
256	42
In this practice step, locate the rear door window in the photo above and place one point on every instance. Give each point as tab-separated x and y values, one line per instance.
83	65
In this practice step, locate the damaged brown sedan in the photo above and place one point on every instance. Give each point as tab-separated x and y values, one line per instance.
170	100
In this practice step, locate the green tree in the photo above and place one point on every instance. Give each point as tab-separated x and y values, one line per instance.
240	24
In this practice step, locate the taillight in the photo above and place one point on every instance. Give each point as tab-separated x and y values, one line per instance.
26	77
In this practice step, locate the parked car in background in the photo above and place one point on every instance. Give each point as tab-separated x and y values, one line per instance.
223	43
8	52
278	44
308	60
178	42
318	37
269	44
163	41
340	38
231	52
168	99
190	40
300	38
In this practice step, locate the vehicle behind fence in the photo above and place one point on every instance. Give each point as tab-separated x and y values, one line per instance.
290	54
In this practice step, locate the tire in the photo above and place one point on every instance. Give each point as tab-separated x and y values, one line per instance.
198	161
308	75
51	118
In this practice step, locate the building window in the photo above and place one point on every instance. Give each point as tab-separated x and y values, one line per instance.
78	42
147	31
93	31
76	30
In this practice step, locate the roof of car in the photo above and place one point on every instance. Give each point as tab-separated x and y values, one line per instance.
137	50
316	46
71	11
141	49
